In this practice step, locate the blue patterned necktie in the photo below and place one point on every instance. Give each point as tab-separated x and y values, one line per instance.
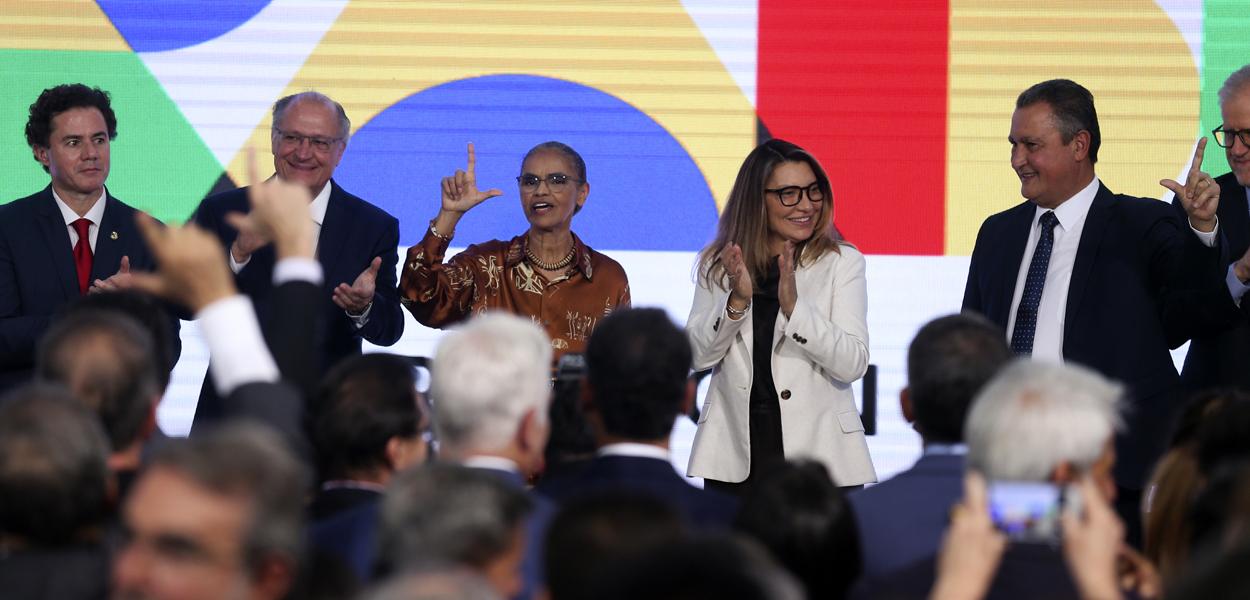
1026	314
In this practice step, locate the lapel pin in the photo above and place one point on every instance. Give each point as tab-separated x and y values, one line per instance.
113	235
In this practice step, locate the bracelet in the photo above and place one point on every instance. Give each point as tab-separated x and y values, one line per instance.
445	238
735	313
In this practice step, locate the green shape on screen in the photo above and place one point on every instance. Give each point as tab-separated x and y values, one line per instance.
158	162
1225	48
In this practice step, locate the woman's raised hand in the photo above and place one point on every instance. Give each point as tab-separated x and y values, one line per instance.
460	191
740	285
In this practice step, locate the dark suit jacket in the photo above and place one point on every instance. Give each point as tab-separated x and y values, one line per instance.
1136	265
651	476
901	520
1219	354
37	273
71	573
352	234
350	536
535	535
1028	571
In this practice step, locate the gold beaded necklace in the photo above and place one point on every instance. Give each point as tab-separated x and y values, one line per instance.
546	266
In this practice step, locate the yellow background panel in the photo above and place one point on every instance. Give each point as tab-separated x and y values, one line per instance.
649	54
57	25
1127	52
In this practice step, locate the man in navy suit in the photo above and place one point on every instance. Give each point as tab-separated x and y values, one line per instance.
69	239
637	365
1220	356
356	242
1080	274
901	520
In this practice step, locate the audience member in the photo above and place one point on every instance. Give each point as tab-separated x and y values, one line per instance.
55	490
107	361
490	389
571	444
214	516
449	514
368	426
636	387
145	310
803	519
901	520
454	583
595	531
708	568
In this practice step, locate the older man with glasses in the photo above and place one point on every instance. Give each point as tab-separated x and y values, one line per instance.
356	242
1221	357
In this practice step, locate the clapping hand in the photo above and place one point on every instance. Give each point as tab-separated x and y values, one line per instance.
355	298
118	281
740	286
1200	195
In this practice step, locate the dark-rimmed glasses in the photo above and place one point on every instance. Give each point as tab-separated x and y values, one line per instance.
319	143
1225	137
792	194
555	181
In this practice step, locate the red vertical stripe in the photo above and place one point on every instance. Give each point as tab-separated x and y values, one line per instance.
863	86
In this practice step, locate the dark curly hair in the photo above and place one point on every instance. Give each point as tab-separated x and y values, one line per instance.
56	100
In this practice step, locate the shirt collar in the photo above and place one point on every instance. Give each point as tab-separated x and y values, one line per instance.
95	215
581	254
320	203
945	449
497	463
634	450
1074	209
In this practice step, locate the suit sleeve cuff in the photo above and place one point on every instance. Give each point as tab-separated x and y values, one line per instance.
1236	288
237	350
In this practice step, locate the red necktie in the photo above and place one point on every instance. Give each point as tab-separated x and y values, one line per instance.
82	253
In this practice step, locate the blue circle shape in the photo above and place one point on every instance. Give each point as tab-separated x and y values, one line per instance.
153	26
646	193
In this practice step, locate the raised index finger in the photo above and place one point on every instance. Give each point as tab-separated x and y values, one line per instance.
472	159
1196	166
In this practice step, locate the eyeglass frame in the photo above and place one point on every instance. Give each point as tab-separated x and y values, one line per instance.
802	190
1238	134
550	184
297	139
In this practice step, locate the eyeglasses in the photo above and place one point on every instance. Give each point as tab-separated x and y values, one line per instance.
792	194
1227	137
555	181
319	143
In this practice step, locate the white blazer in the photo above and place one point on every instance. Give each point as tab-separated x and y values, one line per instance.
817	353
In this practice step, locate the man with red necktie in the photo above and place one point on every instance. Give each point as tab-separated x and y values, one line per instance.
73	237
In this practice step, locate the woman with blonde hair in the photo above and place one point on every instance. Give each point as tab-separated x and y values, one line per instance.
780	315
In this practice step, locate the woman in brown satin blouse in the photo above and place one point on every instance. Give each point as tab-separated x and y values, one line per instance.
546	273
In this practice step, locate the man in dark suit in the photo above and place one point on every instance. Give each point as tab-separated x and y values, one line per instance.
356	242
70	238
637	366
901	520
1080	274
1220	356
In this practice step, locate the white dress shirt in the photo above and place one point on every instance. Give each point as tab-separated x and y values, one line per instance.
1053	309
635	450
95	215
497	463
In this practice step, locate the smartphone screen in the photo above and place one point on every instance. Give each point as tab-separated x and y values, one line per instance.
1026	510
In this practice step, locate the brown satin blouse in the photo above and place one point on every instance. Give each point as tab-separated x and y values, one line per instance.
495	276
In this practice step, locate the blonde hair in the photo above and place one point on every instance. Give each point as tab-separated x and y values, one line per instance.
745	219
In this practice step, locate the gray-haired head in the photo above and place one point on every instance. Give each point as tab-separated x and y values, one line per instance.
448	514
1237	83
280	107
1035	416
435	583
485	378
